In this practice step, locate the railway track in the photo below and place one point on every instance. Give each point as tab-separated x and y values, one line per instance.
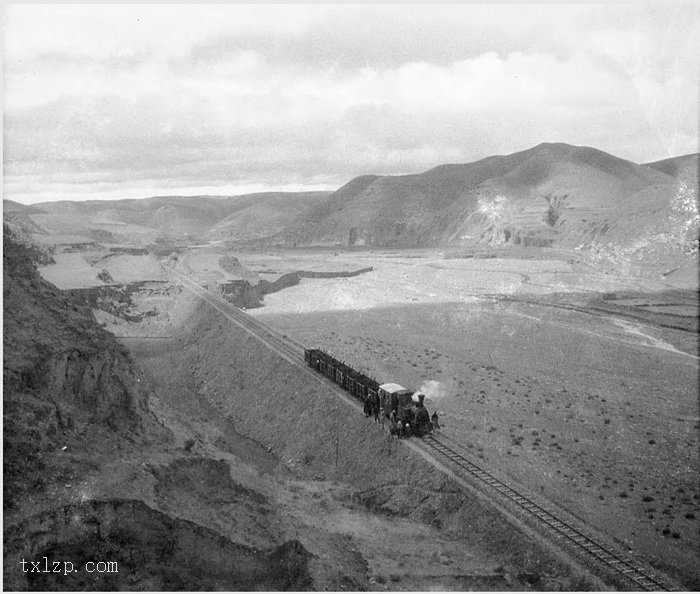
286	347
281	344
540	515
575	535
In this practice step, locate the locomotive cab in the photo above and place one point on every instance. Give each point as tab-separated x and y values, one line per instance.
394	397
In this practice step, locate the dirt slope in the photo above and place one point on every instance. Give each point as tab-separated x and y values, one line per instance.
59	371
90	474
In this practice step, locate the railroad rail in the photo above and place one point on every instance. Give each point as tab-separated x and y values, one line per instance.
575	535
281	344
544	519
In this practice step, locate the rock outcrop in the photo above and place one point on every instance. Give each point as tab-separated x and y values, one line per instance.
126	545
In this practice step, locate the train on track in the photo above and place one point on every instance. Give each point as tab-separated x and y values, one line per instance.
402	408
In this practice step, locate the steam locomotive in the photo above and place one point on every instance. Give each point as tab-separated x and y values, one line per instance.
404	409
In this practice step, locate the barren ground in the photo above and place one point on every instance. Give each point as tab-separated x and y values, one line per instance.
595	410
598	413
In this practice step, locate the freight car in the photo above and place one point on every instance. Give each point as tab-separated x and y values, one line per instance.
407	406
358	384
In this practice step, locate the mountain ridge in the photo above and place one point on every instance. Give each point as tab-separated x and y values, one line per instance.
496	200
553	194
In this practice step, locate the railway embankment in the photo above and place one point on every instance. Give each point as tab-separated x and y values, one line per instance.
320	436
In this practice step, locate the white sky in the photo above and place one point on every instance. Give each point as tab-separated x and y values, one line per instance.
127	101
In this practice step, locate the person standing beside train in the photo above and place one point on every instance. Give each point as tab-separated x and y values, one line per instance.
375	408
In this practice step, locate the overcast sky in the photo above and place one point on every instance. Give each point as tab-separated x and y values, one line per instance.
128	101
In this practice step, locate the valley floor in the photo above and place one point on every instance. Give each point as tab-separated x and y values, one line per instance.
586	396
580	385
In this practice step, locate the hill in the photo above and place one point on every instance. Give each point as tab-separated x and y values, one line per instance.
685	166
142	221
550	194
263	215
10	206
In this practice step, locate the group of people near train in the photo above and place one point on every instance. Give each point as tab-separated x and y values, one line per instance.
404	421
373	407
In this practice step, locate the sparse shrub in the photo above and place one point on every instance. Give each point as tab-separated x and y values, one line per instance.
623	495
555	206
189	444
648	498
652	441
105	276
690	516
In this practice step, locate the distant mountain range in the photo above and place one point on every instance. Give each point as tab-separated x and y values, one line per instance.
177	218
554	194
